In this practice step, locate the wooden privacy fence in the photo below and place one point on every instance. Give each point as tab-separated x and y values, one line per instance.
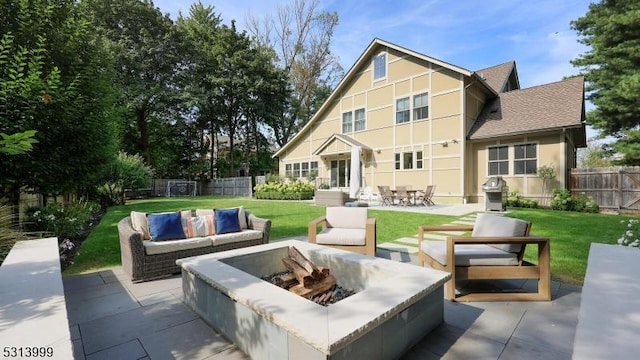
614	188
240	186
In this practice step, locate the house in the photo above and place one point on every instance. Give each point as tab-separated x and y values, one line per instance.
420	121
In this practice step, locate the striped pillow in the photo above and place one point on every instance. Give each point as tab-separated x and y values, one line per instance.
199	226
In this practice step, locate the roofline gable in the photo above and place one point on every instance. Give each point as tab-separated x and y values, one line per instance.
360	61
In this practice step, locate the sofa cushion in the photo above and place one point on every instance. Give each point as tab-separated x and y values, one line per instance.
199	226
140	224
201	212
347	217
242	215
335	236
469	254
163	247
489	225
165	226
227	221
243	235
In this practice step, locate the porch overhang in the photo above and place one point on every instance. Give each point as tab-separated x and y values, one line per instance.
339	144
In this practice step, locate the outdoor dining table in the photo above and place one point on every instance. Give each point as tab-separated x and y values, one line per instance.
411	193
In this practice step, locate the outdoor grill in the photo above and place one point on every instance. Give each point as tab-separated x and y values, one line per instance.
495	188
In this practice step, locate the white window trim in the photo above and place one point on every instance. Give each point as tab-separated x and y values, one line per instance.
511	158
386	67
395	110
428	105
354	119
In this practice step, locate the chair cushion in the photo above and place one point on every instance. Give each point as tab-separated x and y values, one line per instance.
163	247
333	236
242	235
165	226
347	217
496	225
469	254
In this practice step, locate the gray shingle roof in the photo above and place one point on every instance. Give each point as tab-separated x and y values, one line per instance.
550	106
496	76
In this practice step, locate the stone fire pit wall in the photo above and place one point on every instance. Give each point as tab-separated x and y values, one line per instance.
395	306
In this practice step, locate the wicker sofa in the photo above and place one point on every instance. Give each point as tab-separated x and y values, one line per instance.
143	261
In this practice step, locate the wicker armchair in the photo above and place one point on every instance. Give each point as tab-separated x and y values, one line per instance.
141	266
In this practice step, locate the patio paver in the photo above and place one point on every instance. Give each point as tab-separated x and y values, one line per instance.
160	326
110	317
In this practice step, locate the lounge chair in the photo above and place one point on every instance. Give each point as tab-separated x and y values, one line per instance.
494	251
345	228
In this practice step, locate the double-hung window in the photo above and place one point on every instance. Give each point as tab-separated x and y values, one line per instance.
314	169
379	66
499	160
419	160
420	106
360	120
525	159
347	122
402	111
296	170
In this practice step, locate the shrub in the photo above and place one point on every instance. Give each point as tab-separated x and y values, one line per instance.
63	220
515	200
631	235
126	172
295	190
563	200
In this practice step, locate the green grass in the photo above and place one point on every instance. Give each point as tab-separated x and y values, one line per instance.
288	218
570	233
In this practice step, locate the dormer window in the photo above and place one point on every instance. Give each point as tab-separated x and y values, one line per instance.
380	66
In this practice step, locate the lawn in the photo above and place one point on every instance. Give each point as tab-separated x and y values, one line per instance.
570	233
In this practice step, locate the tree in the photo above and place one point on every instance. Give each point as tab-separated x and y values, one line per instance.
53	80
16	144
127	172
145	50
301	37
611	28
594	155
233	84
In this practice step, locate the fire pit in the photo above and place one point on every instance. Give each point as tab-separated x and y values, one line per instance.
395	304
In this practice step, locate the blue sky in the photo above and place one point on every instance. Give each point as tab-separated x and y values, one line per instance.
468	33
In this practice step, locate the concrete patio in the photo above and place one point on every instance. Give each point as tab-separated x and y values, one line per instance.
111	318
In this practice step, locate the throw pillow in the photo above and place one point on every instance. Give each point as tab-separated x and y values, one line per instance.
140	224
227	221
167	226
242	216
200	226
184	216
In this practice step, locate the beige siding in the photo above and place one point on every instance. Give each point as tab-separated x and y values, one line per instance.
550	152
444	80
451	113
403	88
446	104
